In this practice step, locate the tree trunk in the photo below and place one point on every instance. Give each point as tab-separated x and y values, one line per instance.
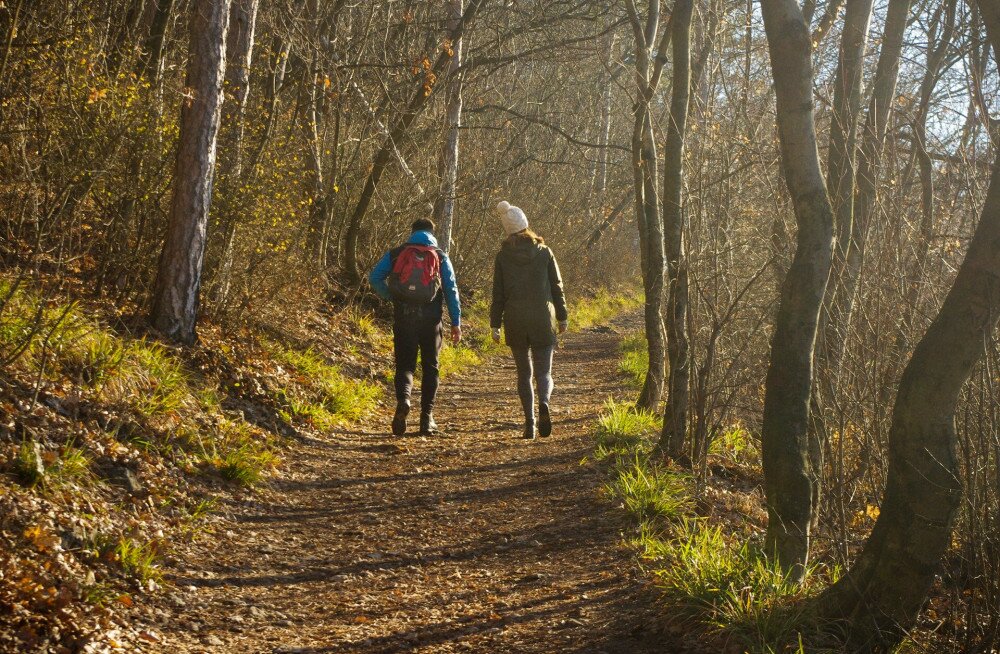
239	56
385	153
645	181
870	151
151	64
444	208
789	478
935	59
884	591
834	322
178	280
675	415
651	244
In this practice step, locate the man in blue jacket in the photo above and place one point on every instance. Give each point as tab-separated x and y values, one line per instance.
417	328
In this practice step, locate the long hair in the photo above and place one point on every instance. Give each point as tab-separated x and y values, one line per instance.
524	235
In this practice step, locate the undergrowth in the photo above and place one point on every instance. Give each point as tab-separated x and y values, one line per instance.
322	395
635	359
710	582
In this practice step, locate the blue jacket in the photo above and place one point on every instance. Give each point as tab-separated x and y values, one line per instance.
380	274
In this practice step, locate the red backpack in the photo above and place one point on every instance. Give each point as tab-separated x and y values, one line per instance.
416	274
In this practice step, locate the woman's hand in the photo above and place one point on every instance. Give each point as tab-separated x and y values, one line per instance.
563	326
496	335
456	334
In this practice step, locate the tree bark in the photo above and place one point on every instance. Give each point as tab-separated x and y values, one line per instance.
352	270
674	431
870	151
645	181
178	280
789	478
151	63
239	56
444	208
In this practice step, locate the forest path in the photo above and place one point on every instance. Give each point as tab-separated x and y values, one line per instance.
471	541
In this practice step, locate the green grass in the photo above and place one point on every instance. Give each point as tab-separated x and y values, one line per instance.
50	469
635	359
58	341
246	464
322	395
456	358
649	492
602	307
728	587
237	451
708	581
622	429
137	559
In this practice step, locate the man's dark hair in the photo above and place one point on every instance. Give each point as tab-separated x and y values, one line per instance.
423	225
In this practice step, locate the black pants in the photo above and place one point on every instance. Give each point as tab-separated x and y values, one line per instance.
411	335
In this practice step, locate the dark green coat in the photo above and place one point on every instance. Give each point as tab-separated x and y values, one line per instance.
527	294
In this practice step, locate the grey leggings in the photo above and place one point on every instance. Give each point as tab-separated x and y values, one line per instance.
539	361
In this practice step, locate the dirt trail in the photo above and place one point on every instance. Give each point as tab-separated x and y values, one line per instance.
473	541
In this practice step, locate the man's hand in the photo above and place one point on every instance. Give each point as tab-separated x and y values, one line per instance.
456	334
563	326
496	335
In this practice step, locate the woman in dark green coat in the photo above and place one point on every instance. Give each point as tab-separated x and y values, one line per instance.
528	302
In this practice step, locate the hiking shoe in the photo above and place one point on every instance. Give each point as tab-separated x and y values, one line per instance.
427	424
529	431
399	419
544	420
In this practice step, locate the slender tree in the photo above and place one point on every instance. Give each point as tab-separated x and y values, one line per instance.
444	207
178	280
789	477
675	416
649	61
239	56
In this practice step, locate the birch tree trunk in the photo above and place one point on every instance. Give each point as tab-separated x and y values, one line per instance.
674	430
239	56
178	280
444	208
789	477
881	596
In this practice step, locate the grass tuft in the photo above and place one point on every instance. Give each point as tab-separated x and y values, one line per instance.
246	464
728	586
623	429
648	491
137	559
635	359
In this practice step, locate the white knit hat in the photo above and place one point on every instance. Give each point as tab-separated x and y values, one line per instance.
512	218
